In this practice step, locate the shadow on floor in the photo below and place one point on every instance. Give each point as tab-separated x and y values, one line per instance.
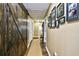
44	51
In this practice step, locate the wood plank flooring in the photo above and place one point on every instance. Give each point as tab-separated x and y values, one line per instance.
35	49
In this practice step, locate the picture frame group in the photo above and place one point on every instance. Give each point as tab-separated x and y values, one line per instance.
52	19
59	14
56	16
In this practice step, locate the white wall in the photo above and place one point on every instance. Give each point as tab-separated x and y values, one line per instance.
65	40
40	29
36	29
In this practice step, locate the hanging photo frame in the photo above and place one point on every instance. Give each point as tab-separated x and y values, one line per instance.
57	23
49	21
60	10
62	20
53	25
72	11
49	25
53	13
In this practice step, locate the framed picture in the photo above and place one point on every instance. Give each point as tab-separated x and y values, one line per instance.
62	20
49	21
53	13
72	11
49	25
53	25
60	10
57	23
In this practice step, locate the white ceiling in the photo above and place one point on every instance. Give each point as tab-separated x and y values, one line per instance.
37	10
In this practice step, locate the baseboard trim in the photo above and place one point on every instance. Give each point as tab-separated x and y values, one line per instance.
28	48
29	44
48	51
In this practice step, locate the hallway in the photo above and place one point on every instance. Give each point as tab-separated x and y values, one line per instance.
21	29
39	29
35	49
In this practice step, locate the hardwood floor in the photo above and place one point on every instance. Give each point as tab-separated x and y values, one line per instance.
35	48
